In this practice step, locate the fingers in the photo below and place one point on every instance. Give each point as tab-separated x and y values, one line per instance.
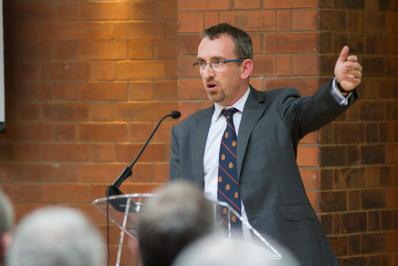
351	74
353	77
352	62
352	58
349	82
349	66
353	82
357	74
358	67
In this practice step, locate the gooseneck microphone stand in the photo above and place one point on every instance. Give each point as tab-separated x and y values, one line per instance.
113	189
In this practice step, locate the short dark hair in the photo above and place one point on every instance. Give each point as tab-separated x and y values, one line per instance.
175	216
242	40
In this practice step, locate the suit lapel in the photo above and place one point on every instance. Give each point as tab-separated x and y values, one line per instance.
252	112
199	132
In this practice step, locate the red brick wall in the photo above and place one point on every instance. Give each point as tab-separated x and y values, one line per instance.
87	80
359	159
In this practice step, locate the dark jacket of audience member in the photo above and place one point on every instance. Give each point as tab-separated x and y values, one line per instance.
6	224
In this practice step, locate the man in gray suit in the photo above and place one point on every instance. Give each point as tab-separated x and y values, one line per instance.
268	126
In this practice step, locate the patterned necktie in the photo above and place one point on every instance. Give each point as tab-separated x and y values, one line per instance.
228	184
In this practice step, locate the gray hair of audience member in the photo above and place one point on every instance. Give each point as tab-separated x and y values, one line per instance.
56	236
175	216
220	251
6	214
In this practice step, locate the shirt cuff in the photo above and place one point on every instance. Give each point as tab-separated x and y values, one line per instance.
338	96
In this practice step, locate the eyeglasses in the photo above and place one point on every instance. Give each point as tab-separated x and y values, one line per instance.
217	65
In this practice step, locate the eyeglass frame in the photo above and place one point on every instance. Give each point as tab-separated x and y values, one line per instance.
224	61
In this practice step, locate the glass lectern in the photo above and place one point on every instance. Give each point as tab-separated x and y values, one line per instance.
124	210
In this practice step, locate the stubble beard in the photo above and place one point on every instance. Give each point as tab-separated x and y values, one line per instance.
216	97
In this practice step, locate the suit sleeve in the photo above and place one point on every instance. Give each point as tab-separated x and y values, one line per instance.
174	156
305	114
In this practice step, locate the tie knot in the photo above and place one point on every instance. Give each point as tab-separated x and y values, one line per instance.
228	113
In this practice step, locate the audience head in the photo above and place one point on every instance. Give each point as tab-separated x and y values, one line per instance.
176	215
220	251
56	236
6	224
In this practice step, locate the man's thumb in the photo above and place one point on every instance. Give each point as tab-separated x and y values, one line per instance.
344	54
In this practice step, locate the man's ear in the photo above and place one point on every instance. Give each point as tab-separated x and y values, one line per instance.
246	68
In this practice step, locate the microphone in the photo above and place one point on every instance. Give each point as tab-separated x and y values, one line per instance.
113	189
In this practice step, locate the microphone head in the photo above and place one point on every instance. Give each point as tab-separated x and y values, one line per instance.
175	114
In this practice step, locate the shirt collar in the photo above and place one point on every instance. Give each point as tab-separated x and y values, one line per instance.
239	104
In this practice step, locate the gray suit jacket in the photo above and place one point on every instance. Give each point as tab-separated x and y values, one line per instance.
270	184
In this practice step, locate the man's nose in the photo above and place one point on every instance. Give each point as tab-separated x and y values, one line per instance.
208	71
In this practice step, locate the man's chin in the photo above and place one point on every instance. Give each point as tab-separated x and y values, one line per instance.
216	99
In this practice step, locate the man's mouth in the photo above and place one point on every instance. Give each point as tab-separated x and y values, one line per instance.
210	85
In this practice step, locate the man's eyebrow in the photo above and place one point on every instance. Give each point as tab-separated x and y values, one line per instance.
211	58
